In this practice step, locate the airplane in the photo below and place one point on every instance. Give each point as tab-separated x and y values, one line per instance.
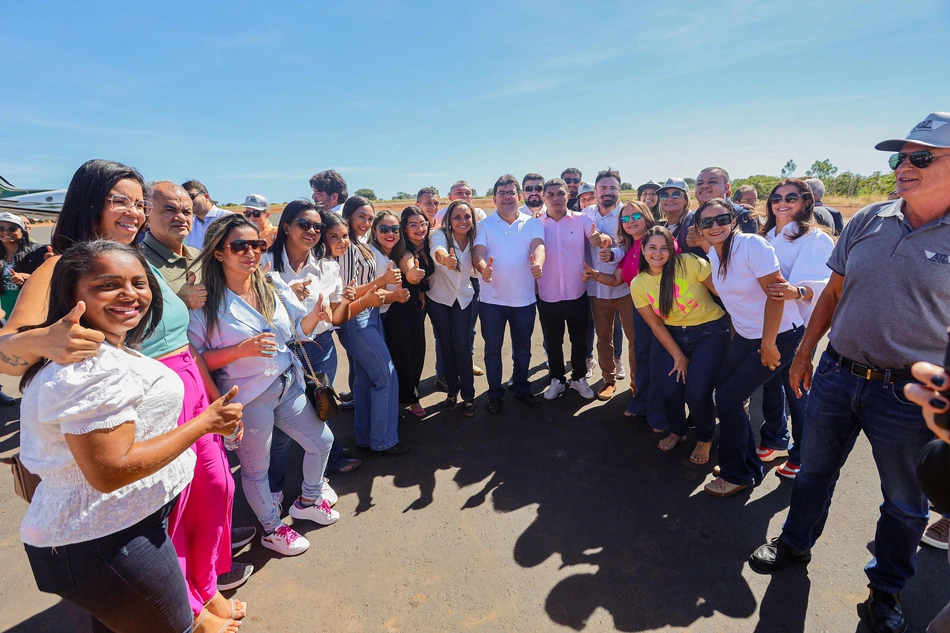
31	201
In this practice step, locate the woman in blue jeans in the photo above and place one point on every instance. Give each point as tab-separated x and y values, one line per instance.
375	386
765	340
672	295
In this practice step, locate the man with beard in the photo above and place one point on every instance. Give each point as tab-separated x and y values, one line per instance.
533	186
205	212
329	189
572	176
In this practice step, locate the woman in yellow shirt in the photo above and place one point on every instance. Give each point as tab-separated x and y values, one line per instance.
672	294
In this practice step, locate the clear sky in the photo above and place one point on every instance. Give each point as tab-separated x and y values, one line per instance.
256	96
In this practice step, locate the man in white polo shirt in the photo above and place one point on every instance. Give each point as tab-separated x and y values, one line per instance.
509	255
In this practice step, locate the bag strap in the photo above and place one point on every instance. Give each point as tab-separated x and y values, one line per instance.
293	327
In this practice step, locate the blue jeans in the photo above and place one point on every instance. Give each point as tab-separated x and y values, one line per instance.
776	394
283	404
840	406
705	346
647	402
439	367
521	321
375	386
323	360
452	327
127	581
741	374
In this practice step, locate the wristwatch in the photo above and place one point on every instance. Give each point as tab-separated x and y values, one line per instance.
801	292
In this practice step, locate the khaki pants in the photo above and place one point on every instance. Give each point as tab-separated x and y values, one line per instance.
604	311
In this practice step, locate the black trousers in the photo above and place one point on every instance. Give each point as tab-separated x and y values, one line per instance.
573	313
405	329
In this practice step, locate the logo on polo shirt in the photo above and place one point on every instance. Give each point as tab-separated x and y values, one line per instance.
940	258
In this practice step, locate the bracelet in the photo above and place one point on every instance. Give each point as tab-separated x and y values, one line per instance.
359	303
769	346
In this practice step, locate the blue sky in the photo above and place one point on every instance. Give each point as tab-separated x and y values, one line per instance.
256	97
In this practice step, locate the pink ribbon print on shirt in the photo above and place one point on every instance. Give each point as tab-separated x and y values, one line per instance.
683	299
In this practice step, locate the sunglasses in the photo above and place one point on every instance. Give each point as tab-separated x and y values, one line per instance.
538	188
253	214
386	230
671	194
572	181
242	246
775	198
707	223
919	159
306	225
633	216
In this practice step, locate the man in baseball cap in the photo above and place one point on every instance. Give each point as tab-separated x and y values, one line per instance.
257	211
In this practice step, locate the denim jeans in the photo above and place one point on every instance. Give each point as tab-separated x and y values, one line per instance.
322	354
840	406
128	581
521	321
452	327
375	386
554	316
741	374
646	401
705	346
439	367
285	405
776	394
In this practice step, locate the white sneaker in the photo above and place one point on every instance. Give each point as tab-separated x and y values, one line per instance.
285	541
328	493
619	371
556	389
591	366
581	387
320	513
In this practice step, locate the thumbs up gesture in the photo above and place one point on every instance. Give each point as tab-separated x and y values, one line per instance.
300	288
323	309
487	271
605	253
400	294
535	267
588	273
415	274
595	237
69	341
392	275
266	267
193	294
451	261
375	297
349	291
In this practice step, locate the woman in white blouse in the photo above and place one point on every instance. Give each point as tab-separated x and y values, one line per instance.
450	301
383	238
103	434
803	249
242	328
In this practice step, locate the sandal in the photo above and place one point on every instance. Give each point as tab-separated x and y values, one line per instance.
719	487
416	410
669	442
699	456
450	403
349	466
229	626
237	609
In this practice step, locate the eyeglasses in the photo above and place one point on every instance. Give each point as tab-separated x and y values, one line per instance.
9	229
633	216
506	194
306	226
919	159
530	188
722	220
671	194
572	181
415	226
122	204
386	230
253	214
242	246
775	198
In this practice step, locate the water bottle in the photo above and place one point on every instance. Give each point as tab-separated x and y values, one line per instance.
271	368
231	442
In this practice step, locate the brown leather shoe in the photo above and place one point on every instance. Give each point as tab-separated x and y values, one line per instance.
607	392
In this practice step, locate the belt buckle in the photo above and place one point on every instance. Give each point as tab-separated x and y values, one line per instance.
867	373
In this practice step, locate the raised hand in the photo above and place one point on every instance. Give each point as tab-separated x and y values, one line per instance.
595	237
322	309
349	291
193	294
49	253
392	275
535	267
300	288
266	268
400	294
606	255
451	261
588	273
487	271
415	274
223	416
72	341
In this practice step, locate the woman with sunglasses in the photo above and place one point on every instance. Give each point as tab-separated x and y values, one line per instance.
802	248
384	236
405	324
16	246
673	199
105	200
257	210
450	302
765	340
374	382
672	294
244	324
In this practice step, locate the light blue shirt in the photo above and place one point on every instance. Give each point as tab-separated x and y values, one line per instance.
607	224
199	227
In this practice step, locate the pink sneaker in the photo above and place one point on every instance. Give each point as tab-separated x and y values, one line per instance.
788	470
285	541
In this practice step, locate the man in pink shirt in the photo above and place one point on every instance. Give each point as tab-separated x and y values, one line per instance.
562	293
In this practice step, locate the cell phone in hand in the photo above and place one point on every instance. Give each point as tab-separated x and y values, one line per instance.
943	419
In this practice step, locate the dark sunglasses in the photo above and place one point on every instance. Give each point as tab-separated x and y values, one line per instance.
633	216
386	230
306	225
722	220
919	159
572	181
253	214
242	246
775	198
538	188
671	194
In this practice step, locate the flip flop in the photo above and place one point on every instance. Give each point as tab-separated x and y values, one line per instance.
670	447
234	609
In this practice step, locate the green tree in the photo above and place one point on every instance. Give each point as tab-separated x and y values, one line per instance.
789	168
691	182
490	192
822	170
763	184
402	195
626	186
366	193
474	193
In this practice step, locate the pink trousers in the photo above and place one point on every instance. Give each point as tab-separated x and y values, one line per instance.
200	524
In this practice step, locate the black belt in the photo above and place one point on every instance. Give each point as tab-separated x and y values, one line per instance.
870	373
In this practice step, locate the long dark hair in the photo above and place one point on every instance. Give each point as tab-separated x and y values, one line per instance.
668	276
330	220
727	245
636	205
404	245
82	208
805	219
447	223
293	210
78	262
349	207
380	215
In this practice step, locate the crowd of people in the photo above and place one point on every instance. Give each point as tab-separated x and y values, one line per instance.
714	303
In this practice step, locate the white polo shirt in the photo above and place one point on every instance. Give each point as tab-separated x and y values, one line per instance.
509	245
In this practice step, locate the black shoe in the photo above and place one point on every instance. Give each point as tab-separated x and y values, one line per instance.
393	451
494	405
528	399
775	556
510	384
884	612
6	401
345	396
468	409
441	385
450	403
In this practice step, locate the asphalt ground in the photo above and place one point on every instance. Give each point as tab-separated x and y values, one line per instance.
551	519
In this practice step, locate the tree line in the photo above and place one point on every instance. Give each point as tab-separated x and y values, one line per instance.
847	184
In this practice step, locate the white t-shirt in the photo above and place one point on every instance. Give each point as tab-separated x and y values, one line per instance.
752	257
325	279
103	392
804	263
509	245
448	285
382	263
